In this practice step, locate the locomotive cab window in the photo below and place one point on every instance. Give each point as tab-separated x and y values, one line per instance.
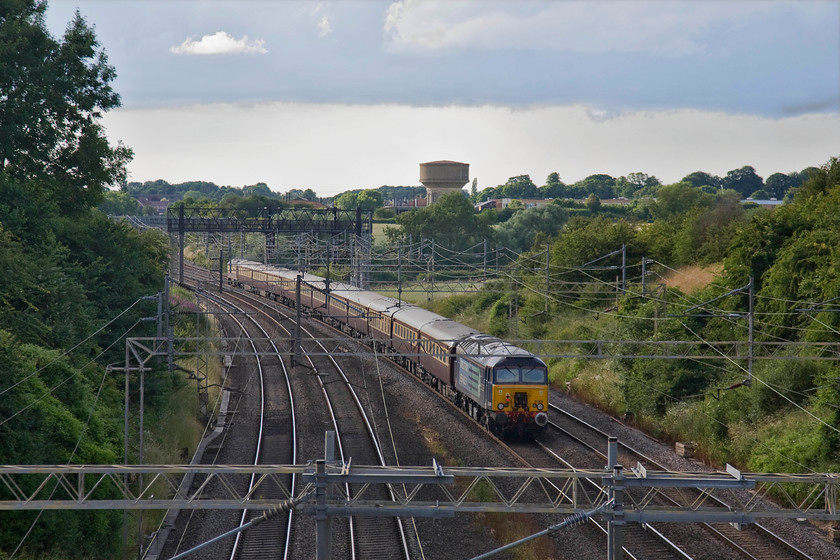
521	375
534	375
507	375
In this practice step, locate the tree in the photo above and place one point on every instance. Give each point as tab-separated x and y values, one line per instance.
369	200
743	180
259	188
777	185
346	200
520	186
116	203
554	187
702	179
520	231
53	97
677	199
707	230
601	186
253	203
634	182
451	222
593	203
584	239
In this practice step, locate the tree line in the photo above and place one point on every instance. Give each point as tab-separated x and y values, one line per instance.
744	181
72	277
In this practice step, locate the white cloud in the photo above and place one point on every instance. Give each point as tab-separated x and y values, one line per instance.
324	27
220	42
667	29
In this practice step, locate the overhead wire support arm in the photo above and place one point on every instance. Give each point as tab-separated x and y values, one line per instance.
816	305
608	255
750	287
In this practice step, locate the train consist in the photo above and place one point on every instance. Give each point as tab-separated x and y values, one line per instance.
502	386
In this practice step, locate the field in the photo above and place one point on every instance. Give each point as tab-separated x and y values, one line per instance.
378	232
417	294
692	278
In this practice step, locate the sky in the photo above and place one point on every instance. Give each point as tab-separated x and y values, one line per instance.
344	95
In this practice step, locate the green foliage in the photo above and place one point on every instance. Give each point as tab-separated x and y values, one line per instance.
634	184
54	93
253	203
260	189
499	316
453	305
383	215
703	181
786	443
52	419
520	231
451	222
118	203
602	186
554	187
517	187
368	200
586	239
71	273
744	181
593	203
692	226
401	194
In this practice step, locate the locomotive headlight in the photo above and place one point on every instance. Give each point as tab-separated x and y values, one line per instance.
501	405
539	406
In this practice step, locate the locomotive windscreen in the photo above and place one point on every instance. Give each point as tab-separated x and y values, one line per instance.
526	375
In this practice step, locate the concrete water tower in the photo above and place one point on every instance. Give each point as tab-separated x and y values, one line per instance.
442	177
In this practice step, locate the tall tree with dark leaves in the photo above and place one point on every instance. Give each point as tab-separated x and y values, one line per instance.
52	96
743	180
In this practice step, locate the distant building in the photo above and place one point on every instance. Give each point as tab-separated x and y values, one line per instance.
400	206
621	201
501	203
487	204
443	177
160	202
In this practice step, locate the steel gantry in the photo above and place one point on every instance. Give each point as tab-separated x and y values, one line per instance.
434	491
270	221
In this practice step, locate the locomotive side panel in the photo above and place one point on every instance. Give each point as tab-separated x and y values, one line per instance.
470	379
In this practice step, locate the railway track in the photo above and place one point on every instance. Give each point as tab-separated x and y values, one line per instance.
278	444
368	537
256	400
638	544
362	537
753	541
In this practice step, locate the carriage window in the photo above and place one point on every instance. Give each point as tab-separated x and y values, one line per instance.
533	375
504	375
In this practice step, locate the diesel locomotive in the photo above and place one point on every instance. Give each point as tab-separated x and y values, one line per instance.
501	386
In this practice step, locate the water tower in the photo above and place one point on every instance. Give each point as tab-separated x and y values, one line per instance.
442	177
